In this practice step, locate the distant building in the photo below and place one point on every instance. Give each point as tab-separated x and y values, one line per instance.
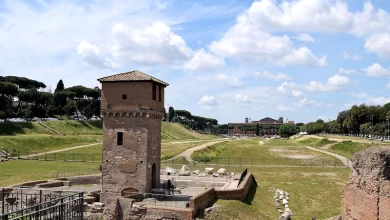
268	127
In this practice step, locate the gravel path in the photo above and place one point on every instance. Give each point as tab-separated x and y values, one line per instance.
57	151
187	153
343	159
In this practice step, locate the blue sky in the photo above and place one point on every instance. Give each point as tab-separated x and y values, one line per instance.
300	59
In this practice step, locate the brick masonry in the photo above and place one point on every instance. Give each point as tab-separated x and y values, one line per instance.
367	193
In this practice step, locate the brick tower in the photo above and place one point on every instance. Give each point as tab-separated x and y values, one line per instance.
132	108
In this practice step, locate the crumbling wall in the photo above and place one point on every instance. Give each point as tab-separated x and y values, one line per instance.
202	200
367	193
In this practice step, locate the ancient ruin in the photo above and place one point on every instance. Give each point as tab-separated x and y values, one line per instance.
367	193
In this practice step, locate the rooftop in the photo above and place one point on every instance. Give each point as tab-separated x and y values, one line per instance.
131	76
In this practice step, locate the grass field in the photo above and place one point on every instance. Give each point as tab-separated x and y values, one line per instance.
28	144
270	153
175	131
314	192
94	152
17	171
348	148
71	127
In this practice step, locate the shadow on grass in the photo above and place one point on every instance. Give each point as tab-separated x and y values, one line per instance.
251	193
10	128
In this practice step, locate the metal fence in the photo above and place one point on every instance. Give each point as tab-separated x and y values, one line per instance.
31	204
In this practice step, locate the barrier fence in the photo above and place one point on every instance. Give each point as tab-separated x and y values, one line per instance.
21	204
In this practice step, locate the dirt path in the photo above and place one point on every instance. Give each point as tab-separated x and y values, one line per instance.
57	151
343	159
187	153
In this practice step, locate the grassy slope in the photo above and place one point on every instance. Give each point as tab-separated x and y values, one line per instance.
70	127
21	128
27	144
316	142
251	152
348	148
175	131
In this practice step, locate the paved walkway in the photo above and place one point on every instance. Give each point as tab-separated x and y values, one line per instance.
57	151
343	159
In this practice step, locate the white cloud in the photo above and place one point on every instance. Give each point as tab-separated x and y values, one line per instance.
369	21
203	60
248	41
334	83
377	100
359	95
297	93
268	75
207	102
92	55
155	44
376	70
347	71
348	56
304	38
229	81
378	43
387	85
285	108
304	102
241	98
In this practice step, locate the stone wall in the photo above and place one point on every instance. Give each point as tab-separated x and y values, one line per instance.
367	193
86	179
202	200
130	165
239	193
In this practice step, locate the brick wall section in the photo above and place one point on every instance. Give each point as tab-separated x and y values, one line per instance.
359	205
239	193
202	200
367	193
170	212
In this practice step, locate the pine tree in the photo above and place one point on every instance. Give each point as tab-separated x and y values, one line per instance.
60	86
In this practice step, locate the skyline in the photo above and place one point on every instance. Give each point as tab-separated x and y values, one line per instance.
299	59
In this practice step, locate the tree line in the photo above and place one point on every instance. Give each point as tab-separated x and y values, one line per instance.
33	101
359	119
194	122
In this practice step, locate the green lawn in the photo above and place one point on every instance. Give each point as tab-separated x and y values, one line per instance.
252	152
17	171
175	131
314	192
28	144
72	127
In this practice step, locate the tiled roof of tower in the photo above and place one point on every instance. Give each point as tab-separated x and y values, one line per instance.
134	75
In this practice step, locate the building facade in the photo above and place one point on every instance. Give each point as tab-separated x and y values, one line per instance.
132	108
267	127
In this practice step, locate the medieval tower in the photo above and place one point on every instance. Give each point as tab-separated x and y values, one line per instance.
132	108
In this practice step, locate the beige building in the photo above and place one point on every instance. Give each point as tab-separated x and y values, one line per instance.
132	108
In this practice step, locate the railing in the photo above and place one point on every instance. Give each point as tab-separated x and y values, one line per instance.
30	204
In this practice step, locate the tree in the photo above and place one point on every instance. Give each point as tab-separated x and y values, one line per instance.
60	86
257	129
365	128
171	112
8	91
287	130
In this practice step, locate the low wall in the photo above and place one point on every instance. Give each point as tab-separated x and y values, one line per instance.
31	183
87	179
50	184
238	193
202	200
199	183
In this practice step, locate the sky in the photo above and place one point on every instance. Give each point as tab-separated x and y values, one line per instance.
224	59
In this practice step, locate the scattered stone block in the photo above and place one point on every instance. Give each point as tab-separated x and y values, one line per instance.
89	199
209	170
